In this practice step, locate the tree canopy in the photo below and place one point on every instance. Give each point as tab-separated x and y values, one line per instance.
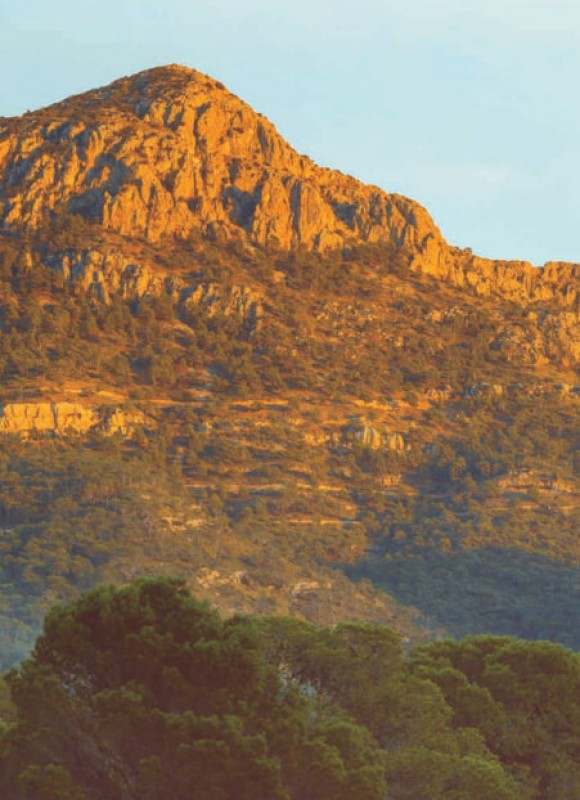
145	692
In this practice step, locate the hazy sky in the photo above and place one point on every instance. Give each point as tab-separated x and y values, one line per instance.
471	107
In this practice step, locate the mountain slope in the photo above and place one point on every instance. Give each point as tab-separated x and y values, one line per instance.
220	360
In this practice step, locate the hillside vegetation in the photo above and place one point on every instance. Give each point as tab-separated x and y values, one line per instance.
366	424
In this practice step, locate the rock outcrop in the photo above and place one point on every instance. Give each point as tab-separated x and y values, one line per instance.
518	281
59	418
240	301
64	418
106	273
370	438
171	153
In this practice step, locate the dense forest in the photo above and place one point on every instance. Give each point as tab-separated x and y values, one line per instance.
146	692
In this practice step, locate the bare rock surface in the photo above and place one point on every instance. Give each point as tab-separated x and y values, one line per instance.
169	152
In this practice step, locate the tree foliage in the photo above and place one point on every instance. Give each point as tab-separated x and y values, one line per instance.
146	692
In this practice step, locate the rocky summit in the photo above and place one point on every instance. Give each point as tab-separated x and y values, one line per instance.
221	361
170	151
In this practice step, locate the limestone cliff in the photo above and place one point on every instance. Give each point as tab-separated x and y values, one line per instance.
171	153
64	418
25	418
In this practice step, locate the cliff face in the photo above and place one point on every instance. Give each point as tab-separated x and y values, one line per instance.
63	418
170	152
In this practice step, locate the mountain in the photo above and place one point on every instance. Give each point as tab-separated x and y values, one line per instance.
222	361
170	152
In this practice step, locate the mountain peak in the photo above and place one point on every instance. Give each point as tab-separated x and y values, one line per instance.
167	82
170	152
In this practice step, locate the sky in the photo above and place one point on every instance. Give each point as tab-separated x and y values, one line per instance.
471	107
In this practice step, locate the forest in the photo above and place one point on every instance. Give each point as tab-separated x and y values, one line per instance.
146	692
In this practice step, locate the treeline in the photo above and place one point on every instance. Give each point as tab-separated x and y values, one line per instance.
144	692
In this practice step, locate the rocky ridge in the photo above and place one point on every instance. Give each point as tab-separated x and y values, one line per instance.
171	153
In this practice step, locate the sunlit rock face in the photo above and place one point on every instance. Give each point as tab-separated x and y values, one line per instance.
64	419
171	153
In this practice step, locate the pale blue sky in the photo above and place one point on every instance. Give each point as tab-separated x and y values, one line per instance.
469	106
